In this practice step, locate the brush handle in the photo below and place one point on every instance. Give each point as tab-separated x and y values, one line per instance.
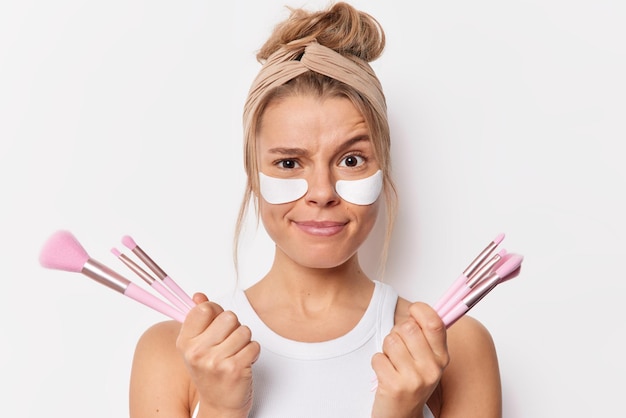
454	314
467	302
167	293
179	292
460	281
140	295
458	295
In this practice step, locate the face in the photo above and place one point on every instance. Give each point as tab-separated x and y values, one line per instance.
322	141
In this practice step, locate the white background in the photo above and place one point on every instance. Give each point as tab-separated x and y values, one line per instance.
124	117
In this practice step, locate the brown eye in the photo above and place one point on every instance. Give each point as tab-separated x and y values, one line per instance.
352	161
288	164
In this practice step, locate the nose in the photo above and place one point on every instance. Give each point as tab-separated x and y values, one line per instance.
321	191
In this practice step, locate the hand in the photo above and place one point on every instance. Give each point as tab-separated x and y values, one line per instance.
411	364
218	353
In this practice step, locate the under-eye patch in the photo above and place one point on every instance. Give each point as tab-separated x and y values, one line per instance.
277	191
359	192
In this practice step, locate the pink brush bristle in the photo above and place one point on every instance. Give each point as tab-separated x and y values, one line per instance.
511	263
129	242
62	251
116	252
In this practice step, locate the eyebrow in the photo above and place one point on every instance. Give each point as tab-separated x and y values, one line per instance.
288	151
303	152
351	142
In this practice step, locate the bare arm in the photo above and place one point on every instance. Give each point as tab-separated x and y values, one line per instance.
159	383
470	386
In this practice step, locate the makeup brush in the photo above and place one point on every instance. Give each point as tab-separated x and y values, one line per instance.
508	269
62	251
162	275
154	283
473	279
469	271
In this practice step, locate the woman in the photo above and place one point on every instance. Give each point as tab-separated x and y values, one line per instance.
316	337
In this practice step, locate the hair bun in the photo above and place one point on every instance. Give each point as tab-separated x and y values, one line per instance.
341	27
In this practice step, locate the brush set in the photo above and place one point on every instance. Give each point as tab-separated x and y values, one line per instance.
479	278
62	251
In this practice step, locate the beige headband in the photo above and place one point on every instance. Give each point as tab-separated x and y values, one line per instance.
288	63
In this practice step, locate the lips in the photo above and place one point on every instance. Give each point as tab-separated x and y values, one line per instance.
321	228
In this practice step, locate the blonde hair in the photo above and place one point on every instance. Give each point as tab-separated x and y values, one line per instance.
356	36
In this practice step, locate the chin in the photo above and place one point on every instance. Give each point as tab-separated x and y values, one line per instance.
320	259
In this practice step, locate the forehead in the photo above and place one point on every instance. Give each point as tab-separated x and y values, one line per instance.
310	120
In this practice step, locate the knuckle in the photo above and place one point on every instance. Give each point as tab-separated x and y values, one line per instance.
228	317
416	307
245	332
409	327
209	309
193	354
434	323
228	367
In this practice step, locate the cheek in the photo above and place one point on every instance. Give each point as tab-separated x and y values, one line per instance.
272	216
373	211
366	215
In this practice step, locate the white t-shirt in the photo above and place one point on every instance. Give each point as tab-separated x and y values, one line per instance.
330	379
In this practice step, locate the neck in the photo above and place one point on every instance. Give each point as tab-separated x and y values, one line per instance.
314	289
311	304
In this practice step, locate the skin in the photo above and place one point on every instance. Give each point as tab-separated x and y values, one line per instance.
315	280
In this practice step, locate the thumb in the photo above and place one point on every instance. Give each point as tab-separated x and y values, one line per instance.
200	297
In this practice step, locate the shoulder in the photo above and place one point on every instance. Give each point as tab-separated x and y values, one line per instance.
469	332
158	341
161	331
469	340
472	379
157	360
156	349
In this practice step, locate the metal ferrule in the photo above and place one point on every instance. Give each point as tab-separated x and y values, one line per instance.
104	275
144	275
471	269
483	271
148	262
481	290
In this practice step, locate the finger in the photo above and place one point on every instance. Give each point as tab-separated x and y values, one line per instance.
198	320
220	329
249	353
396	347
413	339
384	368
432	327
236	340
235	349
199	298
